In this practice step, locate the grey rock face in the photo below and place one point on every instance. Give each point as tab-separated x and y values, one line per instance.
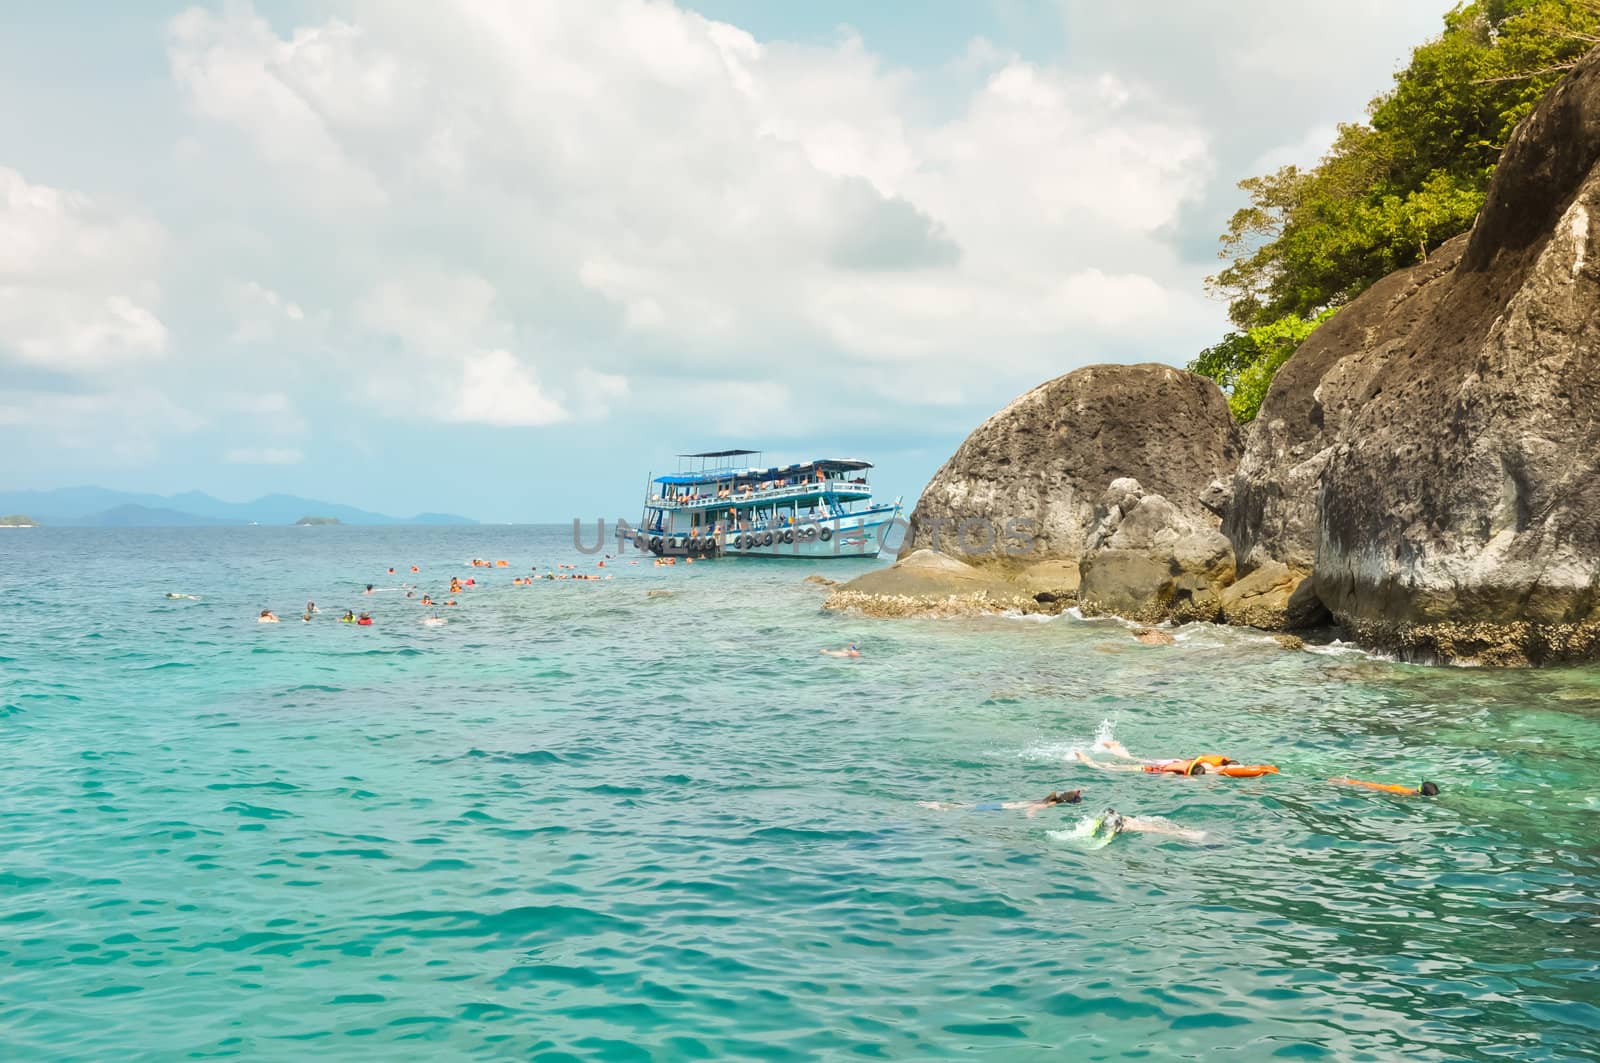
1433	453
1153	562
1045	461
1273	513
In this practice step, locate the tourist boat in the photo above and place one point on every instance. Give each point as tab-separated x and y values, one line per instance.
729	503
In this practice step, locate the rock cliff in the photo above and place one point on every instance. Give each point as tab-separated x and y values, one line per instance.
1460	509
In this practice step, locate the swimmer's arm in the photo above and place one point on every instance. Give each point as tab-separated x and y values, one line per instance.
1147	826
1117	749
1083	758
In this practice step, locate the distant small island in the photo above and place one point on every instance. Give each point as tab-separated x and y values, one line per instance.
313	522
17	520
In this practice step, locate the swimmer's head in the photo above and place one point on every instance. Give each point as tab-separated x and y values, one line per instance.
1065	797
1111	821
1429	789
1197	768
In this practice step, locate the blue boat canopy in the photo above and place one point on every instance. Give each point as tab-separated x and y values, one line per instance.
726	475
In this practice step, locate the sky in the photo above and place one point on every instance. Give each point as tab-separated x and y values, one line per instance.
505	258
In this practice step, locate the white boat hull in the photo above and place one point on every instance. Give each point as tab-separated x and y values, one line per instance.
861	534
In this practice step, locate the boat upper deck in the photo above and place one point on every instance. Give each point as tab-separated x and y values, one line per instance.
726	498
723	486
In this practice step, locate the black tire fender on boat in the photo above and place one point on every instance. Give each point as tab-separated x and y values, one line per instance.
694	544
638	540
826	534
788	535
655	544
766	540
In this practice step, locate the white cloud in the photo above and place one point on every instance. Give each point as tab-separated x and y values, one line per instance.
262	314
634	177
594	394
263	456
125	427
433	311
76	279
496	389
282	94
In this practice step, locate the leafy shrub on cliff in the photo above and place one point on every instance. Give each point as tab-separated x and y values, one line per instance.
1244	362
1392	189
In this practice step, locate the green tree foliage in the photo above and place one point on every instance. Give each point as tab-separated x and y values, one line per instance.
1393	188
1243	364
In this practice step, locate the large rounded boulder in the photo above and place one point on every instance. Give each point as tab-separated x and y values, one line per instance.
1023	488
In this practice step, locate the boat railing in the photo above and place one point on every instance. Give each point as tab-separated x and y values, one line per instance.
852	488
841	521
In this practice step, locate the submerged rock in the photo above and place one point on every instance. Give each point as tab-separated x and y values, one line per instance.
1150	636
928	572
820	581
928	583
933	605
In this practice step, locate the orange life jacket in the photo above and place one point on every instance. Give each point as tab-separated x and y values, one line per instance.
1247	771
1180	767
1386	787
1211	762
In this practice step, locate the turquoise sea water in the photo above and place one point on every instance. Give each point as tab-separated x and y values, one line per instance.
579	822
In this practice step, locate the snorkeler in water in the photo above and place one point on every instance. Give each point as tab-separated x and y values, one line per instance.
1054	797
1111	823
1427	789
848	651
1209	763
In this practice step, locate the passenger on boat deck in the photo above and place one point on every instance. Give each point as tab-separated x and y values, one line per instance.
266	617
1063	797
848	651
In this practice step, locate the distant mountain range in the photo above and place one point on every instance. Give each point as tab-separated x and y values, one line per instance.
100	507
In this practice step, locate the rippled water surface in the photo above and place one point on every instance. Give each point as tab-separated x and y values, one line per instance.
582	822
